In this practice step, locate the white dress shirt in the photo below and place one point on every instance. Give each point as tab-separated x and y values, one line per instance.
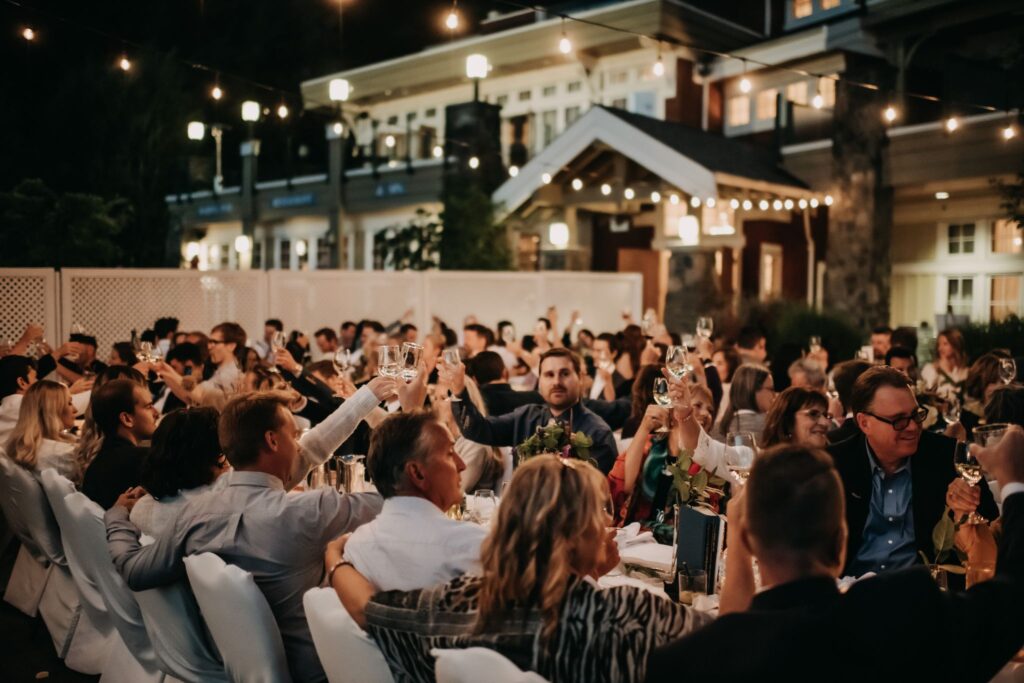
411	544
9	409
156	517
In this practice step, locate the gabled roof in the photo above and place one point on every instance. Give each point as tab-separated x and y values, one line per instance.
692	160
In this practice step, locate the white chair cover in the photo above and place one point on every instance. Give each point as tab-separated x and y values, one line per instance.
508	463
239	619
88	538
178	634
31	567
478	663
346	652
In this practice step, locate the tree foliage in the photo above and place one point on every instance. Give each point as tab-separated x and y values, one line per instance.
414	246
472	238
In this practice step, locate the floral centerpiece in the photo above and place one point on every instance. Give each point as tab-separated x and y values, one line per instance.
556	439
694	485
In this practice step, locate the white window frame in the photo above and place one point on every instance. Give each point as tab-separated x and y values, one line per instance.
767	293
980	237
1020	293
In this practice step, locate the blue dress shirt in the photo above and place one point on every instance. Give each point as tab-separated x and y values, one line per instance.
889	541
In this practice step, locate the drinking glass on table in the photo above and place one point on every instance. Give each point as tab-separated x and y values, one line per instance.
389	362
677	362
1007	370
484	503
740	458
705	327
969	469
692	584
411	354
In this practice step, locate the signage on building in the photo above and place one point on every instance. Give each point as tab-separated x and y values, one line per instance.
218	209
392	188
292	200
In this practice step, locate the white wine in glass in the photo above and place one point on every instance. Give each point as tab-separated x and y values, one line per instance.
1007	370
411	354
740	456
676	362
705	327
660	391
969	469
388	364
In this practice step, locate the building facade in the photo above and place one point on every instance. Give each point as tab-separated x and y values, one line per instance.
768	173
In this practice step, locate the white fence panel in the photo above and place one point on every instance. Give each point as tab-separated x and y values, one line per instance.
490	296
108	303
600	298
28	295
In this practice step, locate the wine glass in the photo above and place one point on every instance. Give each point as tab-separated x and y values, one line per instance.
648	322
484	504
411	354
740	457
451	357
677	362
661	396
990	434
145	352
814	344
1007	370
388	361
689	342
705	327
969	469
951	410
342	360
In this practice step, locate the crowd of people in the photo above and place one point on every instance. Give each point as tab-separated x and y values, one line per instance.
205	442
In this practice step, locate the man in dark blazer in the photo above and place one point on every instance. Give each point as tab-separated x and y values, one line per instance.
491	375
897	478
897	626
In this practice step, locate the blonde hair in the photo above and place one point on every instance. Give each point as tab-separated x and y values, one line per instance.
38	419
494	466
528	558
91	439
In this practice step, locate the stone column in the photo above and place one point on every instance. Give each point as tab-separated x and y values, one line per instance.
858	273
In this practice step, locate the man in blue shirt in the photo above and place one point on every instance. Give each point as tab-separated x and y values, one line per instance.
559	386
898	479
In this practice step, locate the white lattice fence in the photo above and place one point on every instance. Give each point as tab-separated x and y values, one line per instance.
28	295
108	303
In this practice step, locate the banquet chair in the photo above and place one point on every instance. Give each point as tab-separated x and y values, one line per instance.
472	664
31	566
346	652
59	605
228	597
178	635
131	657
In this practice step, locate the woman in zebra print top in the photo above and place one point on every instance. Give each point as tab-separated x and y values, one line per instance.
536	600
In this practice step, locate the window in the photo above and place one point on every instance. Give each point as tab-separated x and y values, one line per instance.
766	104
323	254
619	103
961	238
797	92
802	8
739	110
549	120
830	4
571	114
392	120
574	86
1006	237
960	295
1005	300
771	271
549	91
225	257
645	103
525	95
501	100
284	259
257	255
430	113
827	89
618	77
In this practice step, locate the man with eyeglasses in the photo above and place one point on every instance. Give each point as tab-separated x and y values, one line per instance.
898	479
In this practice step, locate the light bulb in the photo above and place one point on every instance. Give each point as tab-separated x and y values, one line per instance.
565	45
828	200
655	196
890	113
747	205
952	124
216	93
628	193
513	171
28	34
577	184
734	204
818	101
802	203
282	112
745	85
545	178
788	204
124	64
438	151
389	141
1009	132
452	20
777	205
814	202
338	129
659	68
673	198
606	189
763	205
474	163
695	202
710	202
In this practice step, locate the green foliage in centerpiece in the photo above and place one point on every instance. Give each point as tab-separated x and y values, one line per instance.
693	484
556	440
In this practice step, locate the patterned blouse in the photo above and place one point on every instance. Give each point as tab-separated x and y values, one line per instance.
603	635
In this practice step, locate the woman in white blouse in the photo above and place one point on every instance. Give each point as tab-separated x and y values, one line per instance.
948	371
40	439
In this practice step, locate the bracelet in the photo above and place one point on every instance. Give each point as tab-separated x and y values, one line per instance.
334	568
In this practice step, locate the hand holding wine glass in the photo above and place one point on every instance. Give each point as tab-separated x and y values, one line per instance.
740	454
1007	370
389	362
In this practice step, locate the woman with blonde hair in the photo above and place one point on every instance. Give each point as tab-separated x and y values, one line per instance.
485	465
948	371
40	439
536	600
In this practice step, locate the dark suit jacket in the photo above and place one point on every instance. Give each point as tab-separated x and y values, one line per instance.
501	398
931	470
843	432
895	627
114	470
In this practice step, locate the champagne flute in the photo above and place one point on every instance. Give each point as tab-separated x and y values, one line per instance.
388	361
705	327
1007	370
411	354
969	469
277	343
677	362
661	397
814	344
740	457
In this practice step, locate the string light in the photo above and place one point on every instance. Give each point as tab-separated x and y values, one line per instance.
734	204
606	189
777	205
763	205
828	200
28	34
216	92
628	193
577	184
1009	133
513	171
710	202
124	64
655	196
952	124
788	204
889	114
802	203
545	178
747	205
813	202
282	112
673	198
564	45
474	163
695	202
